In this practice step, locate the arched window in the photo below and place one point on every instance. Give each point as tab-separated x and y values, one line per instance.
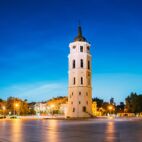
81	80
74	81
89	65
88	48
81	63
73	64
81	48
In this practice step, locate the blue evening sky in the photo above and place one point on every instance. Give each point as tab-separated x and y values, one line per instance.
34	39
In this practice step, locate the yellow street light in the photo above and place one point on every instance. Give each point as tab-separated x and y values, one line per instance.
16	105
16	108
4	108
110	107
52	106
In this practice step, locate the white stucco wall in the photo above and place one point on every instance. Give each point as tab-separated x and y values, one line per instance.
79	95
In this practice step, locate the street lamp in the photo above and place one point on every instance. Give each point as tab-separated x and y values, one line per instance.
16	105
4	108
52	106
110	108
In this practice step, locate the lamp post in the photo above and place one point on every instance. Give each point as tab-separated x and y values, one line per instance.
16	105
52	107
3	108
110	108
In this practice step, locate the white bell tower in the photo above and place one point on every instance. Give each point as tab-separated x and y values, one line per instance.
79	85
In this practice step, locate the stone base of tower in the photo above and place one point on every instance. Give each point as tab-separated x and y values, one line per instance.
85	115
79	102
70	114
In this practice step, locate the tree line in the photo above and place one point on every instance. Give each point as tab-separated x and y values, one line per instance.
132	104
14	105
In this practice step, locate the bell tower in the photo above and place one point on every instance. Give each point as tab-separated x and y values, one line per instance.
79	84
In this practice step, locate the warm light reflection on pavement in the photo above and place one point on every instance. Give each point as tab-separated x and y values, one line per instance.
16	130
53	135
110	131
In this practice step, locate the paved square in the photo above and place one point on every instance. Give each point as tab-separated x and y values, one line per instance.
93	130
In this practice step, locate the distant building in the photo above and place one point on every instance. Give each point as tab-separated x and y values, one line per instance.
80	87
97	111
94	108
40	107
63	109
125	114
58	105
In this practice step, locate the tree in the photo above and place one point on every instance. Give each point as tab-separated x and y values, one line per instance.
134	103
1	100
105	107
120	108
22	107
2	105
112	101
99	102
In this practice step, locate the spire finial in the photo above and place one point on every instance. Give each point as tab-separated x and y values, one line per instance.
79	23
79	36
79	29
